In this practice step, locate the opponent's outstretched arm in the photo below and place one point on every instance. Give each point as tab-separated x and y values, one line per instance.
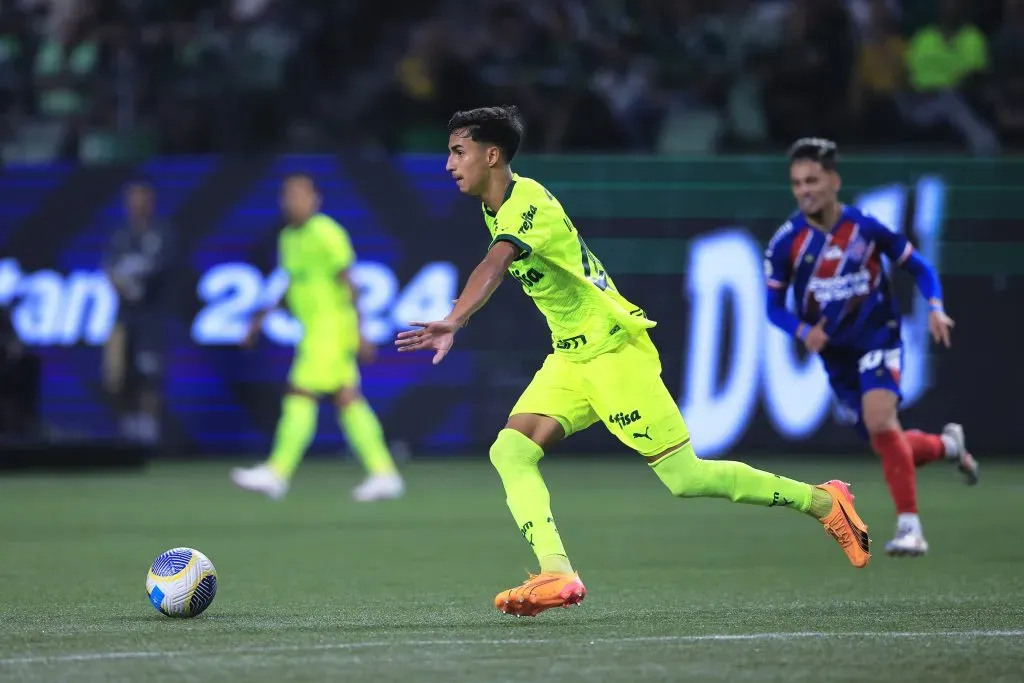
925	276
939	323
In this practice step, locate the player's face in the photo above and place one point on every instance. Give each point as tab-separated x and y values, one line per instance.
814	187
299	200
469	162
139	201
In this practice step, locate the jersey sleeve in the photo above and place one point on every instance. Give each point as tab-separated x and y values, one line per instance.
975	49
894	245
777	265
338	252
517	222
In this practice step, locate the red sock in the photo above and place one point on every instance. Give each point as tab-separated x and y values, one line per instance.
927	447
898	464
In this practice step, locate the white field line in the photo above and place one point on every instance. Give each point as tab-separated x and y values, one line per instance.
709	637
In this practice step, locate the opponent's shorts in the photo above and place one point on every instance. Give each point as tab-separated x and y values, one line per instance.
852	373
622	388
325	364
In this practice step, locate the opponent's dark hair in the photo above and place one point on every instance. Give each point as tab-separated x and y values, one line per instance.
825	152
499	126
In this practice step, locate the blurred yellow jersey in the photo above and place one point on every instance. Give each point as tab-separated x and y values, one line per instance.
313	254
585	312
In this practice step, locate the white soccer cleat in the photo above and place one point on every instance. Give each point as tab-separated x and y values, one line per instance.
908	542
965	462
260	479
379	487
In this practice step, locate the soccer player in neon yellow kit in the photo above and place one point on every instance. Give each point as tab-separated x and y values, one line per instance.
604	367
317	255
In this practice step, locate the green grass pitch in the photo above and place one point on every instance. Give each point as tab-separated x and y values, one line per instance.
319	588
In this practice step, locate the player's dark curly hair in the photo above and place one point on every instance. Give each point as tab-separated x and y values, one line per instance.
499	126
825	152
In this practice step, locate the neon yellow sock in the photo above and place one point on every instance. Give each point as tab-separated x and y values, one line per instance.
821	503
687	476
365	436
559	564
515	457
295	430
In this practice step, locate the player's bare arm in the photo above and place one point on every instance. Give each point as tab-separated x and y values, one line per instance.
256	321
483	282
941	327
439	335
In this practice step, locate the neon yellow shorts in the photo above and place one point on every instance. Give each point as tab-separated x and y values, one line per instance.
324	364
622	388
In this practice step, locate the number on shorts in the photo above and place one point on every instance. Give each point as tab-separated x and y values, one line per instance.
875	359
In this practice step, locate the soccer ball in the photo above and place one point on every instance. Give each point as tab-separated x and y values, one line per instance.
181	583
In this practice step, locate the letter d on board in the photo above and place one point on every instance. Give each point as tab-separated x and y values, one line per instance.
724	278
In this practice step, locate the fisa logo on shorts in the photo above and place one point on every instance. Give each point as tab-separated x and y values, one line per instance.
623	419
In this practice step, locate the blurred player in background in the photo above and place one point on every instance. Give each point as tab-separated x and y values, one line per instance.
831	255
138	264
317	255
604	367
21	375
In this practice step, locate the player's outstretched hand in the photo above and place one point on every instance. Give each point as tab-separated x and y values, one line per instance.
941	327
816	339
437	336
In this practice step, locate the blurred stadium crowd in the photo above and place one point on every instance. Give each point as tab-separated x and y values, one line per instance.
99	79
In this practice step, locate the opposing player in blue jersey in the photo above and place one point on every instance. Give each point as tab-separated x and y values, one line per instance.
846	312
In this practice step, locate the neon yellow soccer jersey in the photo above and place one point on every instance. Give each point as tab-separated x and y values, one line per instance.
585	312
313	254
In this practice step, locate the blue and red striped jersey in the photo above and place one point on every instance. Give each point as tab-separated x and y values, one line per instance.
840	275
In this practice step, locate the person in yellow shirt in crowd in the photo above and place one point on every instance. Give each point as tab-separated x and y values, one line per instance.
944	63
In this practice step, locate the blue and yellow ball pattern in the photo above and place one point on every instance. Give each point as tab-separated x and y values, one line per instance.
182	582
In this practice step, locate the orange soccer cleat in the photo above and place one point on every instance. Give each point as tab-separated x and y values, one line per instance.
845	525
540	592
